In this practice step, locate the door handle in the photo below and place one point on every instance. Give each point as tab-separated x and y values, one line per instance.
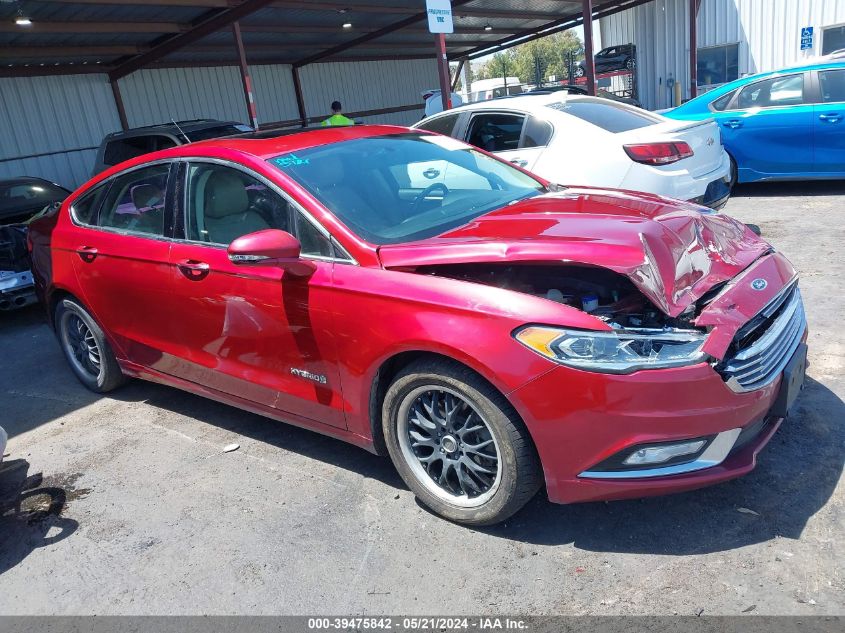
193	269
519	162
833	117
733	124
87	253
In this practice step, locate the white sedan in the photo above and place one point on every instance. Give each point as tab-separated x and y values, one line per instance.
582	140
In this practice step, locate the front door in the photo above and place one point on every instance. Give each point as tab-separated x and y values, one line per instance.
829	123
122	260
250	330
768	129
512	136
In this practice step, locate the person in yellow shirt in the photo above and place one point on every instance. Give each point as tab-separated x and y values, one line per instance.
337	117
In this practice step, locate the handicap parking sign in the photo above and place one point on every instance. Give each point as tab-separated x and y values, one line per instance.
806	38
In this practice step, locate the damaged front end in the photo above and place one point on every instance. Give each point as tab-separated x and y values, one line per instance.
17	289
631	332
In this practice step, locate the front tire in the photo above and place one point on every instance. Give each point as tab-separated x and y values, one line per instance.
86	348
579	71
458	444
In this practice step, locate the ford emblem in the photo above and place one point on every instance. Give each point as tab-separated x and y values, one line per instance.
759	284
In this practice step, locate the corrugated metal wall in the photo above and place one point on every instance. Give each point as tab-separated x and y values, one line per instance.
369	86
57	122
768	33
60	121
157	96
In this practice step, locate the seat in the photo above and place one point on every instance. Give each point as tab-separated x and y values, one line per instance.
148	200
227	214
329	181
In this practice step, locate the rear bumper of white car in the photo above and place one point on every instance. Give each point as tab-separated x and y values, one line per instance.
677	181
3	438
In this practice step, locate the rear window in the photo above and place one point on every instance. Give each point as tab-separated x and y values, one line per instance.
217	132
442	124
608	115
123	149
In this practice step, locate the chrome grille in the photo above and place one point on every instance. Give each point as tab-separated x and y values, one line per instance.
760	363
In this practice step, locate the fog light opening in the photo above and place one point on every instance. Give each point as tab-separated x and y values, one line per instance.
661	454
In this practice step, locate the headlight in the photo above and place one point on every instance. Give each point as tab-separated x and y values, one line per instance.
616	352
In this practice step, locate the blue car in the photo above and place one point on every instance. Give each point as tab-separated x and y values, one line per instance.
783	125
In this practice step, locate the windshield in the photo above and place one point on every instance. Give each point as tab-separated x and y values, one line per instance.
398	188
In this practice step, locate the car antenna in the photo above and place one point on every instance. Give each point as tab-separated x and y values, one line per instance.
181	131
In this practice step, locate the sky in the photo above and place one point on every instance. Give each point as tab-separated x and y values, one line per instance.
579	31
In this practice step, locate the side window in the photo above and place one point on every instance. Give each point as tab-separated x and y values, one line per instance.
537	133
123	149
778	91
313	242
495	132
84	209
442	124
833	86
224	203
722	102
135	201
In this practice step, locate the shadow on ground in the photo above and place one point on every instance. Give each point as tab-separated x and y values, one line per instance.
789	188
31	511
796	475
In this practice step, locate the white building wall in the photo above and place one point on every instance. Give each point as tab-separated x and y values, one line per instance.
767	31
51	126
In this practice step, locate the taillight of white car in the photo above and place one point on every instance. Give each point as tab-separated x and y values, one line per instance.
658	153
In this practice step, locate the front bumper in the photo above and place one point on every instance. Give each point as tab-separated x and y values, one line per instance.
603	414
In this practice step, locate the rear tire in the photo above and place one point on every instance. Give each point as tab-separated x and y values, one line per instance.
579	72
86	348
734	173
458	443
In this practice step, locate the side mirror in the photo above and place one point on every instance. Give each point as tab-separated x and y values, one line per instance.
270	247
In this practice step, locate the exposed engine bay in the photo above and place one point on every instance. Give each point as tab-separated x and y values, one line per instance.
607	295
16	285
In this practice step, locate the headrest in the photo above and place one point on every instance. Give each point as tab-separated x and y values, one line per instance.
328	170
225	195
146	196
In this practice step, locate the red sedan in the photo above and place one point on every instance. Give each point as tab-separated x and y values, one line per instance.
417	297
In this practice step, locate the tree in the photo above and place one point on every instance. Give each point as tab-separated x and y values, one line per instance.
534	62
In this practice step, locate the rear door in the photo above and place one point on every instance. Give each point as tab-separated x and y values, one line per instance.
829	123
768	128
513	136
251	331
122	257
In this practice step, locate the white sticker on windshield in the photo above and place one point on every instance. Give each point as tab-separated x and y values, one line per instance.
446	142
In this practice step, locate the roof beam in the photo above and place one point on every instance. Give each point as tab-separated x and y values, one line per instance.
363	39
218	20
15	52
269	48
208	4
94	27
288	28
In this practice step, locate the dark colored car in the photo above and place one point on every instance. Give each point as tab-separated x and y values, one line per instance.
120	146
623	57
21	199
418	297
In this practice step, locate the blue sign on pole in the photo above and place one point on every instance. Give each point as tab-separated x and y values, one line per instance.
806	38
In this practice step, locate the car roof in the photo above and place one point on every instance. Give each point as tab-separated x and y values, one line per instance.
711	95
174	128
23	180
533	103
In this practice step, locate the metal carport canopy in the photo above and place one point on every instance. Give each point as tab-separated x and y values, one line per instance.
119	36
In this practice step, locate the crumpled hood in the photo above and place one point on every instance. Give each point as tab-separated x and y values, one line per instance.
670	250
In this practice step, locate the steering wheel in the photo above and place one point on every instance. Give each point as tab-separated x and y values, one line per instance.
427	192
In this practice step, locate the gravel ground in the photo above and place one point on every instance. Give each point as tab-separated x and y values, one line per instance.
133	507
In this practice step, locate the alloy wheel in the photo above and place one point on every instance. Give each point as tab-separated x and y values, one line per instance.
449	446
81	345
